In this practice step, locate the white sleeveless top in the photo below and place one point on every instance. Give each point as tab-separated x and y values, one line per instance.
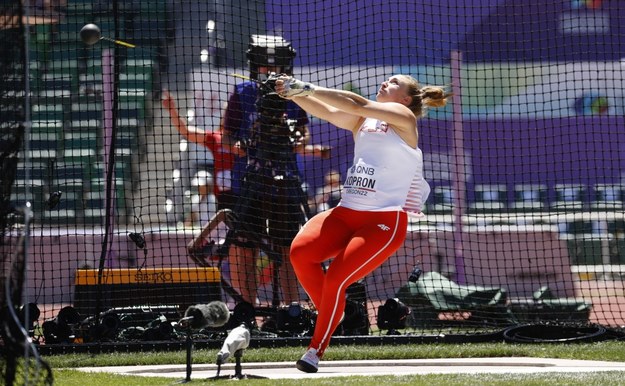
387	174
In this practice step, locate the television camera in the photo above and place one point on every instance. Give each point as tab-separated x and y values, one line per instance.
269	57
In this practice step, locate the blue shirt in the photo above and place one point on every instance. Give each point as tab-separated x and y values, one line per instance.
241	114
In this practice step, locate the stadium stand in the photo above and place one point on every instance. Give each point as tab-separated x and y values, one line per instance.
67	121
529	197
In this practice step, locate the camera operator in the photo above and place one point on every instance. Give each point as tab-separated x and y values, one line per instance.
265	132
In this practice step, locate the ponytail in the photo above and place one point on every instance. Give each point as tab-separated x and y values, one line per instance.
425	97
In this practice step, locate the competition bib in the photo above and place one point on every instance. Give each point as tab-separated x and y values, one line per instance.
361	180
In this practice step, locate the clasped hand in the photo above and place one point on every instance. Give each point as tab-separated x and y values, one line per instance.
288	87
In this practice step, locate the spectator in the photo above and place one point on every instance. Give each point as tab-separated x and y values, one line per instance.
204	202
223	159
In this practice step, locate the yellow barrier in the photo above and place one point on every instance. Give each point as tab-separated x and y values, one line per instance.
124	287
148	276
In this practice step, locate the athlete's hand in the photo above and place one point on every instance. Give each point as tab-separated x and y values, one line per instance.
289	87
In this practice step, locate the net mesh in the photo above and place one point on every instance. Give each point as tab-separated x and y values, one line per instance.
19	359
129	156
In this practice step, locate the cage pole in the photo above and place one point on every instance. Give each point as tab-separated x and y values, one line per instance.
109	149
23	25
458	166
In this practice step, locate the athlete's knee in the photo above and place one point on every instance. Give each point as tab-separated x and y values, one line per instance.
297	243
303	251
296	256
302	260
295	247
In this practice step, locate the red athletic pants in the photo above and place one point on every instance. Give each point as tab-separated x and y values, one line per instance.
358	242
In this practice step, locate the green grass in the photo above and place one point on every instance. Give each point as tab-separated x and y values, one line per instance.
76	378
606	351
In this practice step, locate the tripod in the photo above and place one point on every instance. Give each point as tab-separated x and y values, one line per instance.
202	254
238	370
269	211
189	349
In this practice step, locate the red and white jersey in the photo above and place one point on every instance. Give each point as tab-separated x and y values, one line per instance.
387	174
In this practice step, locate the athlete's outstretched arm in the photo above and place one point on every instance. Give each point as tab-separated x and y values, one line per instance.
322	110
347	102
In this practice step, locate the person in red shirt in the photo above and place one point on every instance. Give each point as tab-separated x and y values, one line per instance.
204	246
212	140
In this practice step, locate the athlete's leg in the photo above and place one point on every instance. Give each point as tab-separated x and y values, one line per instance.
322	238
380	236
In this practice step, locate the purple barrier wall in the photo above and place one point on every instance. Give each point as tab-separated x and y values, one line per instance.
543	260
354	32
493	258
586	150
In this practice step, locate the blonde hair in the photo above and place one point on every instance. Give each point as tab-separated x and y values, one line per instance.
424	97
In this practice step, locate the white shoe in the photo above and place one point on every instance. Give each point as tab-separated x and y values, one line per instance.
309	362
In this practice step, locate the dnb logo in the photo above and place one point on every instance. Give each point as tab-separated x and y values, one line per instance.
586	4
591	104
